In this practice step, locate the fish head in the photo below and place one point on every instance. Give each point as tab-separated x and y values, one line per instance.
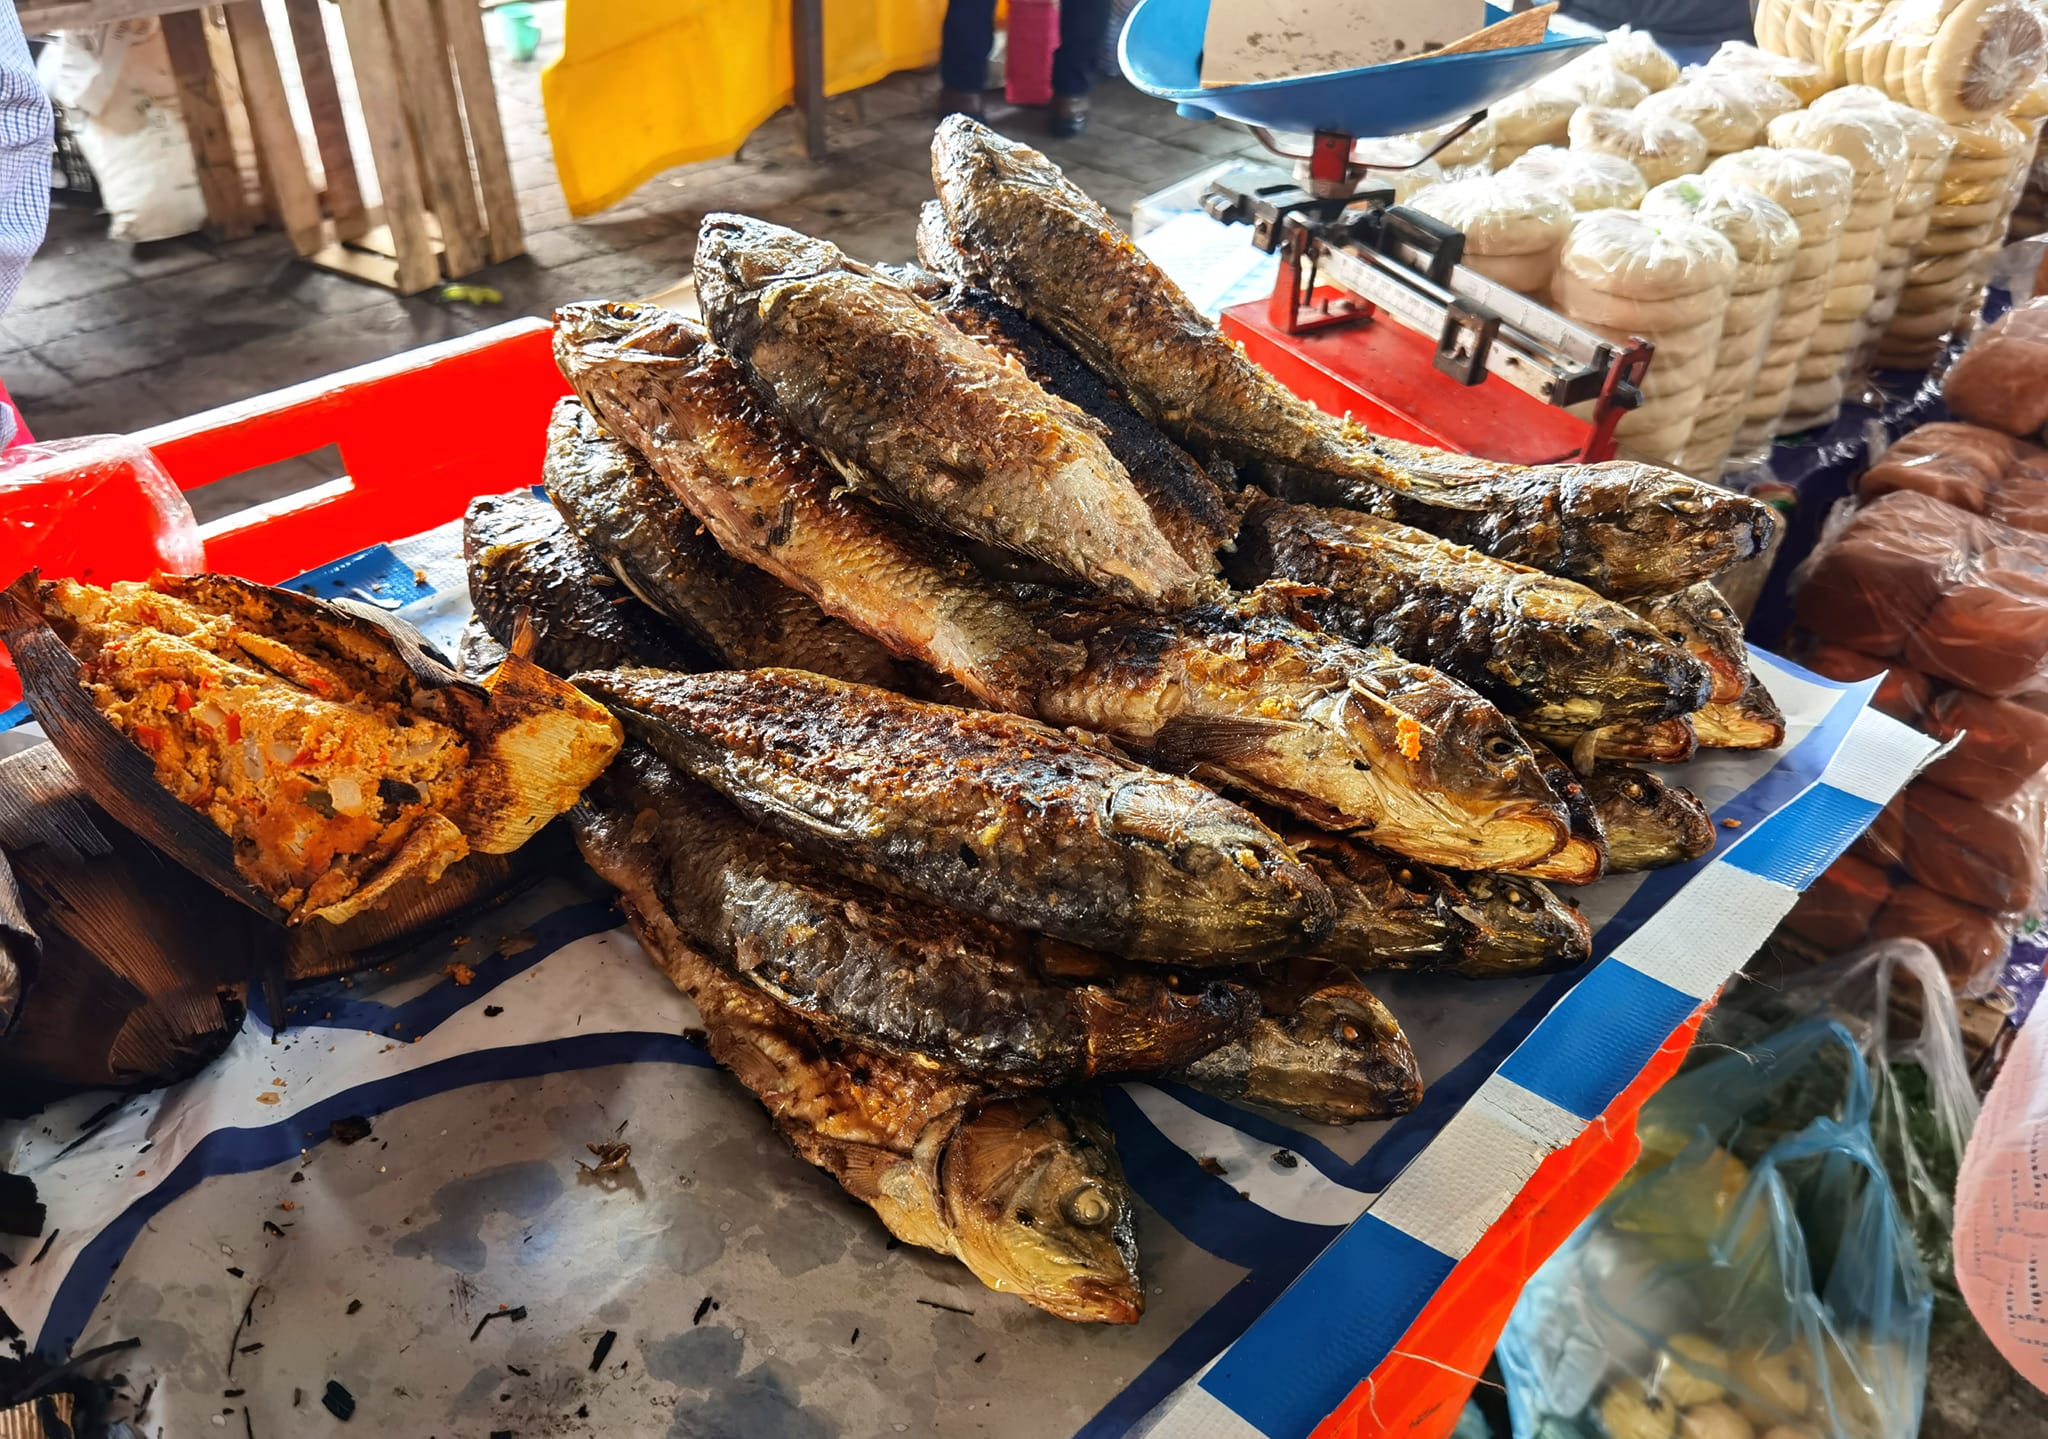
1608	662
1517	926
1660	529
1700	620
1649	821
1039	1208
739	257
967	152
1327	1048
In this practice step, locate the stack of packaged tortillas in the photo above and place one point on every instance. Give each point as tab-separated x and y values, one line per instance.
1875	148
1945	281
1534	115
1723	118
1513	230
1659	147
1474	147
1666	279
1765	239
1814	189
1616	75
1928	147
1399	162
1637	53
1802	77
1584	179
1959	60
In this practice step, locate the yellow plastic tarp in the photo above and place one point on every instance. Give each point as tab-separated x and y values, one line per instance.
642	85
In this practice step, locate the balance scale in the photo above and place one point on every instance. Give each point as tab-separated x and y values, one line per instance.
1372	314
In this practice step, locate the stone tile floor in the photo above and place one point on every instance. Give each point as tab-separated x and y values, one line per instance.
106	337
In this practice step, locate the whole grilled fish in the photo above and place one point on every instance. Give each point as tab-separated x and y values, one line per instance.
899	974
1346	737
1323	1047
988	813
909	408
1750	721
1666	741
1584	857
1191	509
631	521
1650	824
523	561
1702	622
1023	230
1536	645
1026	1192
654	379
1392	914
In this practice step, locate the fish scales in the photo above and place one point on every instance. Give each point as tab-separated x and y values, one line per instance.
654	379
1020	228
910	409
1529	641
1650	822
1701	620
984	812
648	538
1025	1191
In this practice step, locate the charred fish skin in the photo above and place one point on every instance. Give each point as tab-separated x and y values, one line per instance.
523	561
1344	737
1584	857
1324	1048
988	813
1650	823
887	1129
1191	509
1699	619
936	251
629	519
897	974
1518	928
1750	721
909	408
1530	642
1667	741
654	379
1023	230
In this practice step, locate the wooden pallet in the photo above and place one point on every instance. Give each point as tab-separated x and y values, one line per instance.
429	108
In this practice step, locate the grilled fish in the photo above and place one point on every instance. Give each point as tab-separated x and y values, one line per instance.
1584	857
632	522
910	409
476	652
523	561
1701	621
992	814
1751	721
1023	230
936	251
1392	914
1323	1047
1026	1192
1346	737
1650	824
1536	645
655	380
1667	741
1191	509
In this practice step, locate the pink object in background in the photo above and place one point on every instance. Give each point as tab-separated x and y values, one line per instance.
21	436
1034	35
2001	1233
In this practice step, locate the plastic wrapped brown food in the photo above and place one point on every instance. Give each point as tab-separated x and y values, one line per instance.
1989	631
1874	581
1884	843
1837	909
1954	463
2019	497
1903	694
2002	746
2002	379
1985	855
1969	943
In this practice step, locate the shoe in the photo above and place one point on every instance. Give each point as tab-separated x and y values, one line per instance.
961	102
1068	116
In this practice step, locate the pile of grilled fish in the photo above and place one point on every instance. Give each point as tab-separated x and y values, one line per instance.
1023	690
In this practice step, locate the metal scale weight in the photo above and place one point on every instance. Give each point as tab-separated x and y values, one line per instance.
1372	314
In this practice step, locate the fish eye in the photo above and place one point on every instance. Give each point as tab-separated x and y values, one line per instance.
1519	898
1026	1218
1346	1032
1638	792
1088	1207
1676	637
1501	747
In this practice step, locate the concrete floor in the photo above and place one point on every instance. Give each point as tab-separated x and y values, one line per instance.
107	337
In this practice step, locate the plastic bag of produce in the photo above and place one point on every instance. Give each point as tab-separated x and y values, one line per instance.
1756	1271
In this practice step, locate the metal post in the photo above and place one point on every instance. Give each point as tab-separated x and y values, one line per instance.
807	46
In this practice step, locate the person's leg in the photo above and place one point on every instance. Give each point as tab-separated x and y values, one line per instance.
1084	30
965	40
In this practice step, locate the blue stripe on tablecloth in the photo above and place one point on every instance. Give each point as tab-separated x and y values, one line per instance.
1598	1038
376	576
1804	837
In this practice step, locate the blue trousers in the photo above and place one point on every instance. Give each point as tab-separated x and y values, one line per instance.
970	33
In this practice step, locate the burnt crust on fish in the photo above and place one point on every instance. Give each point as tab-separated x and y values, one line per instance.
1247	692
1531	642
1666	741
1701	620
1323	1047
648	538
993	814
1584	857
1025	1191
654	379
1750	721
912	411
524	562
1023	230
1650	823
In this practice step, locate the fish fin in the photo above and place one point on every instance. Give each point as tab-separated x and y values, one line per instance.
1217	739
524	637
